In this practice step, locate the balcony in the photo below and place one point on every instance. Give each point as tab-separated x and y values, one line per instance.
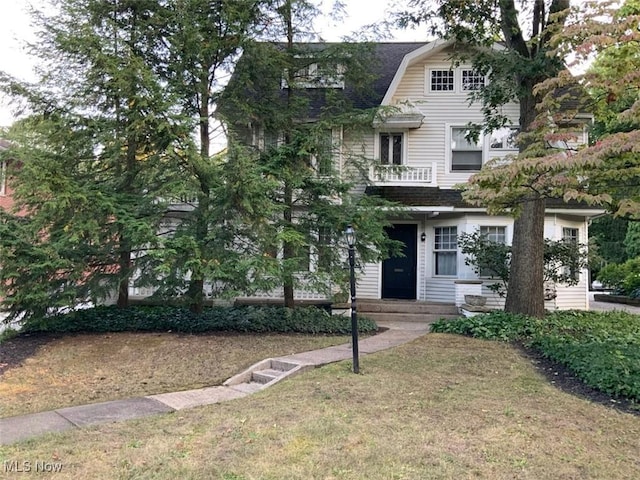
404	175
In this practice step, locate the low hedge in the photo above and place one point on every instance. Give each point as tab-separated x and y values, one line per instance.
601	348
255	319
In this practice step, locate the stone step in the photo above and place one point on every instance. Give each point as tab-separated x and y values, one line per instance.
282	365
247	387
396	306
407	317
265	376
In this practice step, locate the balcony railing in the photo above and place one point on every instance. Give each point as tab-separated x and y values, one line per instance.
404	175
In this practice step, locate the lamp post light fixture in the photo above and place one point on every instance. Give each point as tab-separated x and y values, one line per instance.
350	236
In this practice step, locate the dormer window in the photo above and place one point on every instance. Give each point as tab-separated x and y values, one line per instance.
318	75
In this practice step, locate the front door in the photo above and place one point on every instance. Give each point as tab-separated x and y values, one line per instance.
399	273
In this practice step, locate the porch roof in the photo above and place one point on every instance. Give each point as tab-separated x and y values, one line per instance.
442	197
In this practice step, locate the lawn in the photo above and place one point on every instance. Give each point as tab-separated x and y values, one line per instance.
443	406
87	368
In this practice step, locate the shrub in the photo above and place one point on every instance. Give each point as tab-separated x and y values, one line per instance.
256	319
623	277
492	326
601	348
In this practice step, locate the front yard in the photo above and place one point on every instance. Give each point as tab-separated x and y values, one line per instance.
443	406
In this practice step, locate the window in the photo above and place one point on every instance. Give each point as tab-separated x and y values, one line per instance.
329	74
472	80
271	139
322	160
504	138
324	249
446	250
571	235
466	155
493	234
302	254
3	177
442	81
391	148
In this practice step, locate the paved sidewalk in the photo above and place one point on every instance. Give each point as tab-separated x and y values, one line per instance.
15	429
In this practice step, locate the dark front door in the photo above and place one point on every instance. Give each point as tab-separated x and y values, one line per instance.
399	273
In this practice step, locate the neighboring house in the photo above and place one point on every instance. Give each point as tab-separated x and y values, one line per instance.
426	137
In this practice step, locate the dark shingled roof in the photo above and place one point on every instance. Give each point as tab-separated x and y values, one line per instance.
385	61
388	57
437	197
420	196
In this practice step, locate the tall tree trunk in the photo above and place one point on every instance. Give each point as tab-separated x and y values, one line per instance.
288	250
195	292
525	292
124	263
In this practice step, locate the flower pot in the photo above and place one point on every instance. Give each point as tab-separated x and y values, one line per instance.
475	300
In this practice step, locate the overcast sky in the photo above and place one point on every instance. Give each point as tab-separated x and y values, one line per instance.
15	29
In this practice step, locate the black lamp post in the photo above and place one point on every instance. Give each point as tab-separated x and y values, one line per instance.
350	236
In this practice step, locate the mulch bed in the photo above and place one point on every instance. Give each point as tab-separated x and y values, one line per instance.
14	351
564	379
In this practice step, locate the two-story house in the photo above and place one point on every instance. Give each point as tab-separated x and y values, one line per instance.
421	152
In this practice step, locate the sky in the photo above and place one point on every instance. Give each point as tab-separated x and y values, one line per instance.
15	30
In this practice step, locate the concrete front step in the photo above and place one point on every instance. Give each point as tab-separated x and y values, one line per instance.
266	376
406	317
409	307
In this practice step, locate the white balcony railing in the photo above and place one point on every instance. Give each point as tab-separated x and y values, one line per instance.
404	175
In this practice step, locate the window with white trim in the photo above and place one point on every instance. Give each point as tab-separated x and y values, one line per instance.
493	234
3	177
442	80
317	75
466	154
472	80
322	158
571	235
504	138
324	249
391	148
445	251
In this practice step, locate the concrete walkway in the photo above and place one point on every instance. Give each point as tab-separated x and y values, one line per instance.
609	306
14	429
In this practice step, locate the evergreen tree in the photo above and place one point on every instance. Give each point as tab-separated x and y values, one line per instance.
287	99
95	154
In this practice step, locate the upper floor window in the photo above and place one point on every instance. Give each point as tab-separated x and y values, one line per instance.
504	138
466	154
442	81
317	75
322	157
472	80
3	177
445	250
391	148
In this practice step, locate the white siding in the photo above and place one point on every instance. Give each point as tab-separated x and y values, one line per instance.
428	143
368	285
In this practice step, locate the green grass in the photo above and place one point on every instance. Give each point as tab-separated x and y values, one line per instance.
601	348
